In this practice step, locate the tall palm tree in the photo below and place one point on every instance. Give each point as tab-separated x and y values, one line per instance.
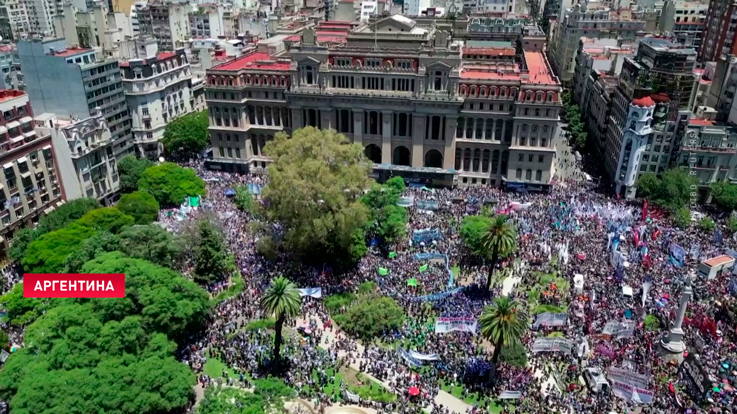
503	323
282	300
498	240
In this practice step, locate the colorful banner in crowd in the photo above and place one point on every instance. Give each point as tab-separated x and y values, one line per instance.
510	395
315	292
677	254
438	296
630	386
437	256
696	378
552	345
550	319
459	324
427	205
426	235
423	357
619	329
405	201
415	358
354	398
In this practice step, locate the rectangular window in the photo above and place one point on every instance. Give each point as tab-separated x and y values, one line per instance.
373	62
343	61
404	64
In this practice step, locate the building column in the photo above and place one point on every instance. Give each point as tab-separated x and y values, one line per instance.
493	129
451	123
297	121
326	118
483	127
386	137
418	140
357	126
504	128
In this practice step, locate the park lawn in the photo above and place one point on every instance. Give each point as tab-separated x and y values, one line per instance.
456	273
233	290
471	398
214	369
357	384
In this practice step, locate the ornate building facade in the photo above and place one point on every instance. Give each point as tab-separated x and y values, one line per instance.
420	105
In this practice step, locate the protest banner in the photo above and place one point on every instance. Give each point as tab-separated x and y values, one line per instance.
630	393
552	345
510	395
696	377
405	201
619	329
550	319
315	292
460	324
383	271
427	205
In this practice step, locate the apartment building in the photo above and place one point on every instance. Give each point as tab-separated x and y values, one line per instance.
709	151
650	111
87	165
167	22
158	87
684	20
208	21
598	65
11	76
496	28
720	32
579	21
420	107
73	82
29	185
14	20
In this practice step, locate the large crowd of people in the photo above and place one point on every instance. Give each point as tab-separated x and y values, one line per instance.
571	231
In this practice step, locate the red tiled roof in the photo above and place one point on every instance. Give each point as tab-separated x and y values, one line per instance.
700	122
539	70
165	55
6	94
254	61
489	51
643	102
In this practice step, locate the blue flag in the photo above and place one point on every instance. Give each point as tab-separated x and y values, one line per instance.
718	237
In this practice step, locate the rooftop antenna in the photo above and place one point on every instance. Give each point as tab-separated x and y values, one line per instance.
376	41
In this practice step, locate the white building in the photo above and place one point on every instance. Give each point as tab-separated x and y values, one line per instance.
415	7
208	21
14	20
167	22
87	166
158	88
637	130
368	9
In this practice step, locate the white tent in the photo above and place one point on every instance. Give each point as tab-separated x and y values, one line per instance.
627	291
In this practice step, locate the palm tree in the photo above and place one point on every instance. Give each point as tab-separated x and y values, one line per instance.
281	299
498	240
503	324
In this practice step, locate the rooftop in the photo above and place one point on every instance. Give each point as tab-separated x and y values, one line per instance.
8	94
70	51
718	261
257	61
700	122
489	51
664	45
538	71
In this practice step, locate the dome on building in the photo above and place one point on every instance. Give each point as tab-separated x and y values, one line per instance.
643	102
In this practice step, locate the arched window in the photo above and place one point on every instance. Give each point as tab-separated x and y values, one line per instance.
528	96
518	174
492	92
503	92
551	96
482	91
513	93
473	90
539	96
463	90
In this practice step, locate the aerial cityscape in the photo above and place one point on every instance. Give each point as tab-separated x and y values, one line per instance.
368	207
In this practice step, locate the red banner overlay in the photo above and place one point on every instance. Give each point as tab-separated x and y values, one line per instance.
74	285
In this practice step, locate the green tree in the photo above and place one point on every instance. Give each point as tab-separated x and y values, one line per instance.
648	186
187	136
707	224
65	214
150	242
244	199
651	323
170	184
473	230
211	258
724	195
732	223
106	219
369	317
47	253
676	188
130	170
221	400
19	243
281	300
19	310
503	324
315	183
100	242
392	223
141	205
682	218
498	241
273	390
167	302
397	184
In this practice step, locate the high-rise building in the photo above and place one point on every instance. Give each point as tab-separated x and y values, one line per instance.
420	106
720	34
14	19
158	88
167	22
579	21
684	20
11	76
85	158
30	185
651	108
72	82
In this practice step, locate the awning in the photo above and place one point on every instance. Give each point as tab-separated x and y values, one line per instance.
30	133
49	209
22	159
46	147
8	165
25	174
17	139
3	130
25	120
13	124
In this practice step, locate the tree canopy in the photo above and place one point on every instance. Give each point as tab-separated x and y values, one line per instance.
211	258
150	242
106	355
388	221
370	316
47	253
106	219
244	199
315	183
672	190
141	205
130	170
170	184
473	229
724	195
187	135
503	324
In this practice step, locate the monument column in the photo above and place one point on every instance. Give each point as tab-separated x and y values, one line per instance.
672	345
